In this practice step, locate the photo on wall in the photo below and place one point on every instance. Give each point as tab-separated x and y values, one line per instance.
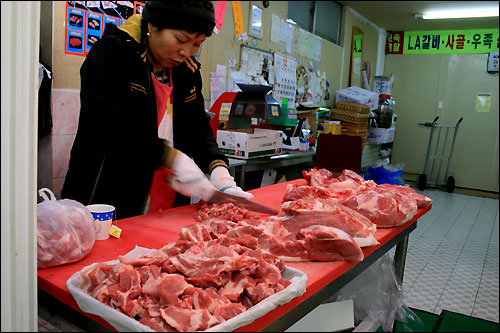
75	19
74	42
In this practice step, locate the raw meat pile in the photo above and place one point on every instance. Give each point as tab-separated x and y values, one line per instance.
227	211
283	237
186	286
329	219
385	205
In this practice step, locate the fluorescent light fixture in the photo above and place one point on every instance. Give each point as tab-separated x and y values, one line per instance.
458	14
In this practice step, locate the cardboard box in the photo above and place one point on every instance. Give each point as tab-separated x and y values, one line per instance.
358	95
380	135
250	143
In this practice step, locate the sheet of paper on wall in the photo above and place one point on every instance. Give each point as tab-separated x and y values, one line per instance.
289	44
271	76
317	48
316	93
255	62
286	35
275	29
217	86
313	65
237	77
483	102
296	40
283	31
244	58
93	4
304	35
232	69
106	4
221	70
310	47
252	72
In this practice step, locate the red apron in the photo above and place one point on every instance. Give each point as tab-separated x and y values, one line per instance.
161	195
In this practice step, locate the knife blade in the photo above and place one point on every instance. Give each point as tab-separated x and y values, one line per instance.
218	197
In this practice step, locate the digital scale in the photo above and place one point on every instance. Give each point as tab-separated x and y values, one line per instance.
251	106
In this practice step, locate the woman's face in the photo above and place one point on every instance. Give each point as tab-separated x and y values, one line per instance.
169	47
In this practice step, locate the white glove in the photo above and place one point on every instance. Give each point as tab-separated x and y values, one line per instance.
188	179
224	182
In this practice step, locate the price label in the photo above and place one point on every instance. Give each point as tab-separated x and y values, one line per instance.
115	231
275	111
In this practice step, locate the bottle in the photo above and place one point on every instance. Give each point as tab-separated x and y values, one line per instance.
385	111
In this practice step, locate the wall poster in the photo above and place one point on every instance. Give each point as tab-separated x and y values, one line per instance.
285	85
86	20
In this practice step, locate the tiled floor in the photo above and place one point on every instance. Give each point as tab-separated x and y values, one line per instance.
452	259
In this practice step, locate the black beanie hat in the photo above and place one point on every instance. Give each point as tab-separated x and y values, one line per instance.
193	16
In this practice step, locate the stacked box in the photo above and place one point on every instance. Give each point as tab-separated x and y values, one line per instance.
354	118
358	95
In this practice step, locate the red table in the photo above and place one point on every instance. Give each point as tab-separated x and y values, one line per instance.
157	229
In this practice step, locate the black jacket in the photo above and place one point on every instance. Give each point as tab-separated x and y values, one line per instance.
116	148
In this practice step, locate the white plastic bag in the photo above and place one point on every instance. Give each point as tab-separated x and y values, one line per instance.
378	299
65	233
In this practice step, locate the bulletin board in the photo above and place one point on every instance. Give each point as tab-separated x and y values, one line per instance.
256	62
85	21
290	79
275	69
255	67
312	86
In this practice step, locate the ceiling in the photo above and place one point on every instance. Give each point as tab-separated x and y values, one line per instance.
400	15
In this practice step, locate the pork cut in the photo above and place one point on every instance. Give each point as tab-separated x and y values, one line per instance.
422	200
227	211
328	213
383	207
330	244
186	286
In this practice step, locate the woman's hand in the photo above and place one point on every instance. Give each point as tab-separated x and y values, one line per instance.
188	179
224	182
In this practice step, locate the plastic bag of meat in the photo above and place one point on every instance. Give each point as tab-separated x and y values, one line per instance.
65	232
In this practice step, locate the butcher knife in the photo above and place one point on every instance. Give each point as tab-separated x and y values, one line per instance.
219	197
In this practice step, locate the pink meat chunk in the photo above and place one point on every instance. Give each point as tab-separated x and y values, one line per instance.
330	244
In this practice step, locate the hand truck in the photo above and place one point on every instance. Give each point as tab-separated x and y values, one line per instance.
449	181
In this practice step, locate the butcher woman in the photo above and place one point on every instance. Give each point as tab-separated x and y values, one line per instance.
143	141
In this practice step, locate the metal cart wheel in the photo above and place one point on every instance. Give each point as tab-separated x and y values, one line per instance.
422	182
450	184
